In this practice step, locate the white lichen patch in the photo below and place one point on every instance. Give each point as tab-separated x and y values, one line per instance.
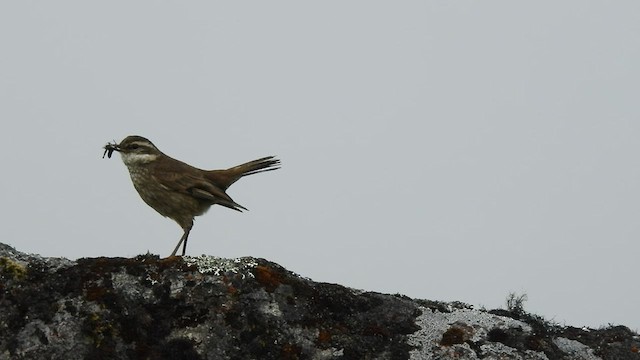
32	336
198	334
271	309
52	263
434	324
307	338
175	288
575	349
501	351
129	286
222	266
328	354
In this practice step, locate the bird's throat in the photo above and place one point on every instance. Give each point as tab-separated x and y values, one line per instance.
133	159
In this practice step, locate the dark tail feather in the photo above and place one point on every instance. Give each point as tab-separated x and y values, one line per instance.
224	178
233	206
268	163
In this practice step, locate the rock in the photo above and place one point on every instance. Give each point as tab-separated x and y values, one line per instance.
212	308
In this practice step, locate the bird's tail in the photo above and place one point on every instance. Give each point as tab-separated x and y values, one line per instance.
256	166
224	178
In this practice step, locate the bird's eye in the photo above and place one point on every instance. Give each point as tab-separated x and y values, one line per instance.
134	146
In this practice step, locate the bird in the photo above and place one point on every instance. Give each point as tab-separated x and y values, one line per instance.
176	189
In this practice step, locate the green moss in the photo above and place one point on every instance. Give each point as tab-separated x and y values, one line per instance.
12	268
101	330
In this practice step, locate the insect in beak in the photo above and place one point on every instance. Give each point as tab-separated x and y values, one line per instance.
109	149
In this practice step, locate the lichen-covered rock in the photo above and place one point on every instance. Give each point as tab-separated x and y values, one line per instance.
213	308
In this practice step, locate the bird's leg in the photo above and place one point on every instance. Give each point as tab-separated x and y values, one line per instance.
182	239
184	246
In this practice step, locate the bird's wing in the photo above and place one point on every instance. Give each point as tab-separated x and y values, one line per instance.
195	186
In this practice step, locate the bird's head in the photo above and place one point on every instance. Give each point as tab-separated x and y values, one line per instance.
134	150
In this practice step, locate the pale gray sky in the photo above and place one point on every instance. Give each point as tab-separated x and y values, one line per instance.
449	150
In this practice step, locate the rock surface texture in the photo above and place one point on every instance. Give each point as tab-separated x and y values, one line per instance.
247	308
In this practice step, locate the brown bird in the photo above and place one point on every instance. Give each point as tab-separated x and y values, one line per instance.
178	190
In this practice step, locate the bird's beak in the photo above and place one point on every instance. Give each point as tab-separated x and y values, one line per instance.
109	149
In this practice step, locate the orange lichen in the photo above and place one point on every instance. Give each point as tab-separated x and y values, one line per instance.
95	293
291	352
169	262
232	289
324	336
268	277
